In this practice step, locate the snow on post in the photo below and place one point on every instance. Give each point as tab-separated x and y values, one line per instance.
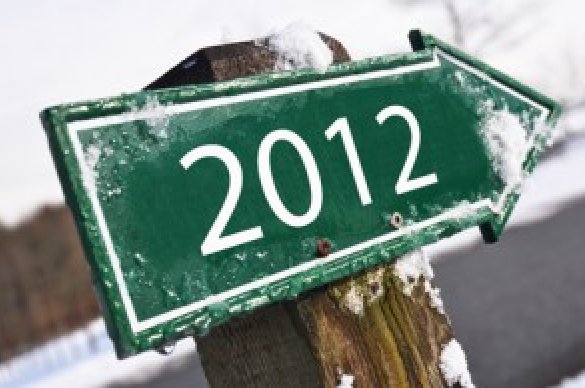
414	266
299	46
346	381
453	365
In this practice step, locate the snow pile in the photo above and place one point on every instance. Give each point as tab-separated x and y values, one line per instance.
346	381
413	266
453	365
299	46
507	141
573	382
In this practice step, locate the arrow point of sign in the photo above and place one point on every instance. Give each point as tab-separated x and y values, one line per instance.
551	110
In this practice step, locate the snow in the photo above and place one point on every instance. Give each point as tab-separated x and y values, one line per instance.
359	294
409	268
59	353
354	300
461	210
86	358
346	381
155	115
507	141
434	294
299	46
356	297
453	365
573	382
413	267
92	156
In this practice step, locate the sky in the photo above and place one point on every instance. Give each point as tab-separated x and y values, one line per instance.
61	51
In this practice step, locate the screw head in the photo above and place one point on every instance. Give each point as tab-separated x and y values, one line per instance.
396	220
323	247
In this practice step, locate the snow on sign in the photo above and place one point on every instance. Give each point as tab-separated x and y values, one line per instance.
203	202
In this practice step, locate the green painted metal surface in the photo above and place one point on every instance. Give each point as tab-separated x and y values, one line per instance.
279	164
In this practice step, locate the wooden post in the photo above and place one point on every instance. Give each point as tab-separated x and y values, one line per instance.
364	326
395	342
311	342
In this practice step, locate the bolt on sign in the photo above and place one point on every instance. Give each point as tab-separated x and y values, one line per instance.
199	203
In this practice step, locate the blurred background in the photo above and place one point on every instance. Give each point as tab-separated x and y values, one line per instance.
518	307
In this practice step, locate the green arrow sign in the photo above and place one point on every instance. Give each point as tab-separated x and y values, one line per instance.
199	203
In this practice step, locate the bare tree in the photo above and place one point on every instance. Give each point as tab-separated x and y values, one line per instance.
478	27
498	25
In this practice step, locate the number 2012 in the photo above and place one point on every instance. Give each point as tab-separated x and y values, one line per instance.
215	242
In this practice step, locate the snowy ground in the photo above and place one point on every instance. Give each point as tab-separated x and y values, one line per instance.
573	382
86	358
66	51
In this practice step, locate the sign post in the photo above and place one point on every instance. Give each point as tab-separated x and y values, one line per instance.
204	202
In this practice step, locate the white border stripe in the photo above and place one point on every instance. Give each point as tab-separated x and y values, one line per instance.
251	96
87	178
138	326
487	78
453	213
